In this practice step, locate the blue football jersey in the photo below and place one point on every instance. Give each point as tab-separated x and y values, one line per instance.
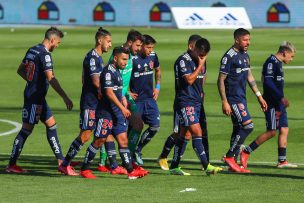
141	81
92	64
236	65
110	78
187	95
273	81
37	60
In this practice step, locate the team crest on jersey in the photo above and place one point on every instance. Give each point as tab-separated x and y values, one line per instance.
92	62
47	58
104	132
151	64
269	68
224	61
92	115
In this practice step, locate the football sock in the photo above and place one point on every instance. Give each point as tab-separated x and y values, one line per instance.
89	156
177	152
146	137
184	146
206	144
199	150
281	154
18	145
103	156
74	149
253	146
170	142
133	137
233	140
111	151
125	155
52	138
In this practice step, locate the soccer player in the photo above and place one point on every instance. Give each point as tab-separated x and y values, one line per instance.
233	75
133	43
188	86
276	116
92	67
170	141
111	116
143	93
37	70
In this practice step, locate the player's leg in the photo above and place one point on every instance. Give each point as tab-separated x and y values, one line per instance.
108	151
282	141
136	125
102	131
243	126
151	117
203	123
30	116
271	126
51	132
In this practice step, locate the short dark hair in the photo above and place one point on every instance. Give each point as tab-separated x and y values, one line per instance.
194	38
101	33
134	35
147	39
240	32
53	31
120	50
202	45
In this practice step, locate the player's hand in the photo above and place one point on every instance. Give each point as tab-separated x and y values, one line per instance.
133	95
226	108
263	103
285	102
201	61
126	112
155	93
124	102
68	103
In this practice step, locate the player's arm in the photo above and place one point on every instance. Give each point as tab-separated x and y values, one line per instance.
157	83
22	71
56	86
112	97
221	88
190	78
254	88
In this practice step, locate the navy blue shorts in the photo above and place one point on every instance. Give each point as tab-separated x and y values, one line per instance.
189	115
240	113
87	119
275	119
32	113
149	112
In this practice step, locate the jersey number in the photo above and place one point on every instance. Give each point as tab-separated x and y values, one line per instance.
30	70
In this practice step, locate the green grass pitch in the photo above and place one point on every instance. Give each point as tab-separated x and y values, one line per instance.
266	183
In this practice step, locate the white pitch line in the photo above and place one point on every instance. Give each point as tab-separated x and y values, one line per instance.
16	129
284	67
155	159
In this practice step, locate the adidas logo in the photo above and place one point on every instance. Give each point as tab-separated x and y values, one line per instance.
229	17
194	17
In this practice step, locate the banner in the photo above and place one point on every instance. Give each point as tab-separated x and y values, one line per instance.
211	17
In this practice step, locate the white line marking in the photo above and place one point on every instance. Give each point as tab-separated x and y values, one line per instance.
155	159
284	67
16	129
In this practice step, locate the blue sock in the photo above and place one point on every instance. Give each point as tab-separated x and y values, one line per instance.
125	155
281	154
253	146
184	147
74	149
199	150
89	156
177	152
52	138
111	150
18	145
233	141
206	143
146	137
169	144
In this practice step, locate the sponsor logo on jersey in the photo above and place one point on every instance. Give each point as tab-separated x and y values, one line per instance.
108	76
92	62
182	63
224	61
48	64
47	58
